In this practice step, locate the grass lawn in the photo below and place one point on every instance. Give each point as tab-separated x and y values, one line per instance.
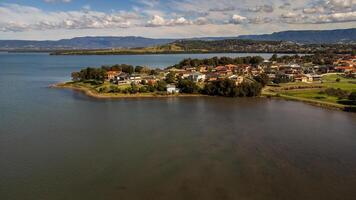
311	94
344	84
306	92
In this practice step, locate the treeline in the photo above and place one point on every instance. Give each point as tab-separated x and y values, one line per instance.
216	61
228	88
89	73
317	59
99	74
222	45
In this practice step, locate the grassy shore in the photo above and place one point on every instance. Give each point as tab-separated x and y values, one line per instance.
92	91
304	92
313	93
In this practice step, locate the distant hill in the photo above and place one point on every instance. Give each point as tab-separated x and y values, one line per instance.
317	37
84	43
219	46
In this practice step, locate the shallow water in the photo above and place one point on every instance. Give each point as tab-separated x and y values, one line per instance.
60	144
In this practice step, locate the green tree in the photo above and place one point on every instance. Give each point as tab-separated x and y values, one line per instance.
352	96
263	79
188	86
274	57
76	76
161	86
171	77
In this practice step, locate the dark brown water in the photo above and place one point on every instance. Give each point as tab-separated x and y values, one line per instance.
62	145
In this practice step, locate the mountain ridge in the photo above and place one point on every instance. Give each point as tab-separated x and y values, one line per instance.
109	42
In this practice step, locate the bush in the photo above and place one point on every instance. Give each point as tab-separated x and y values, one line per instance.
228	88
341	94
161	86
352	96
143	89
188	86
337	80
114	89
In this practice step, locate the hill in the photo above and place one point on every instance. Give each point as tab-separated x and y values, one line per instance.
220	46
90	43
308	36
84	43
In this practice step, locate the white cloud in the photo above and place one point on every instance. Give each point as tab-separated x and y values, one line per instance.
336	18
264	8
181	17
238	19
160	21
14	17
156	21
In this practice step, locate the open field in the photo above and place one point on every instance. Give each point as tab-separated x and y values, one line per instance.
314	93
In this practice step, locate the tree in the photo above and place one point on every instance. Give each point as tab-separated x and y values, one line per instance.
161	86
76	76
171	77
228	88
139	69
188	86
134	88
353	53
352	96
274	57
263	79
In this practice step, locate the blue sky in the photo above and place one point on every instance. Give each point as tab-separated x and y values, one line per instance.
57	19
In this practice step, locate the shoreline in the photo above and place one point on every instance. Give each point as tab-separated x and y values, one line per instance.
92	93
321	104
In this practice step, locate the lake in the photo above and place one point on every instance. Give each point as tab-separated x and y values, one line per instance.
61	145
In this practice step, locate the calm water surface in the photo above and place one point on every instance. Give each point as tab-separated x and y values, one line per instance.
61	145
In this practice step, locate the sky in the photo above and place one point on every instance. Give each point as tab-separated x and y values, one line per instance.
59	19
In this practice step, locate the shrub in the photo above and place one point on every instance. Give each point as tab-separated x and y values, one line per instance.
143	89
352	96
341	94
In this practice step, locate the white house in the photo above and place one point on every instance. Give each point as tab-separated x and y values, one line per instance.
135	79
197	77
311	78
171	89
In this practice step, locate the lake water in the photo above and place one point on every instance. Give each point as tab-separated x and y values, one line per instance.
61	145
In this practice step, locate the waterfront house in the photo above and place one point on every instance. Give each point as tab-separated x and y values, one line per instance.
171	89
197	77
111	75
122	78
238	79
135	78
311	78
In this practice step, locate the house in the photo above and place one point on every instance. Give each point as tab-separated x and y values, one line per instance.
122	78
111	75
135	78
197	77
311	78
238	79
171	89
213	76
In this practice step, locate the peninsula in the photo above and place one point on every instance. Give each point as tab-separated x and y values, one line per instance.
320	79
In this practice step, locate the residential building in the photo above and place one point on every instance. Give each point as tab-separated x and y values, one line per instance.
311	78
197	77
171	89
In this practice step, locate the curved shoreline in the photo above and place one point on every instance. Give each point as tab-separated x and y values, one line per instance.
322	104
92	93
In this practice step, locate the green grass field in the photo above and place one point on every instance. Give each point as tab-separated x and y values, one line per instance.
314	92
